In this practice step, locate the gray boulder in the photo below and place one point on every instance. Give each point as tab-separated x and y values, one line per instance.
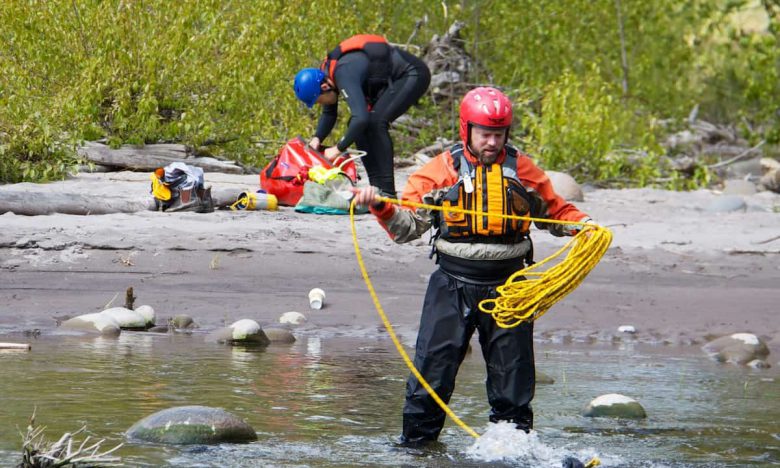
543	379
96	323
614	405
183	321
126	318
245	331
739	187
726	204
739	348
148	314
279	335
565	186
186	425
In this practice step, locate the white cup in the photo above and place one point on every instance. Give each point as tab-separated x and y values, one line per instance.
316	298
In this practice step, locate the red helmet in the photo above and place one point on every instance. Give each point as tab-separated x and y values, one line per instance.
485	107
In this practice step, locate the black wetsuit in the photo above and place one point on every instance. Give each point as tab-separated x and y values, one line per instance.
372	110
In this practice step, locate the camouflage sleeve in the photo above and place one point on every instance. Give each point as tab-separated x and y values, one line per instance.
405	224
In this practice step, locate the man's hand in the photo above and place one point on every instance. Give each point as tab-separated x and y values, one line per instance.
332	153
315	143
574	229
367	196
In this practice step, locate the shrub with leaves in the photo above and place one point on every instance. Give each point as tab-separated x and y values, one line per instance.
582	129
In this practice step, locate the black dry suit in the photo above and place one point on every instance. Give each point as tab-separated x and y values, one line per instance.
379	84
449	318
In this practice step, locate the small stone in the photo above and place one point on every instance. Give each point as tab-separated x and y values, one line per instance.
279	335
727	204
183	321
614	405
245	331
293	318
758	364
544	379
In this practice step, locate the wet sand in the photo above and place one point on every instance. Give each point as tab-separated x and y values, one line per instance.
676	271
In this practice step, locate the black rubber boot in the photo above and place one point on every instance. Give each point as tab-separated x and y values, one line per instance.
571	462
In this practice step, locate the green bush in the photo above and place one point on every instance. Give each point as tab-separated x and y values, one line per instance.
582	129
216	75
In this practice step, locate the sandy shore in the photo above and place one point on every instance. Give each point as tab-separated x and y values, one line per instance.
677	270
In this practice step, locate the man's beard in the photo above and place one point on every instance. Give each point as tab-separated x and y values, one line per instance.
488	157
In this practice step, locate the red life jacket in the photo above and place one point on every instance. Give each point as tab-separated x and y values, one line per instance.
378	51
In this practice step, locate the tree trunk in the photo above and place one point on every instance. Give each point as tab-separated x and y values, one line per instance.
150	157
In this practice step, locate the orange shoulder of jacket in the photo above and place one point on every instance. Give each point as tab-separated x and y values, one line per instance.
435	174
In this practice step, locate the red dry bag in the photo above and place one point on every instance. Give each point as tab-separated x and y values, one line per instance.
285	175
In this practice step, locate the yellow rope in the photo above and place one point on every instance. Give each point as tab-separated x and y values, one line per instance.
519	299
392	334
529	293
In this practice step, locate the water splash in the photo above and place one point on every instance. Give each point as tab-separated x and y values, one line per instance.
502	441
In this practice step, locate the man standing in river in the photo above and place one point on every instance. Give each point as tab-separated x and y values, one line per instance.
475	254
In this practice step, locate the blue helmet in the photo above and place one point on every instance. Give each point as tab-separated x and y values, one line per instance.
307	85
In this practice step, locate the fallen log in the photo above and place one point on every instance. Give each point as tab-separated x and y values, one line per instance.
45	203
150	157
15	346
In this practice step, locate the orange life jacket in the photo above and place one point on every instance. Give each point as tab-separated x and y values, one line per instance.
378	51
493	188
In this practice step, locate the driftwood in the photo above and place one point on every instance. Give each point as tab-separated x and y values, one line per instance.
150	157
37	452
45	203
452	68
15	346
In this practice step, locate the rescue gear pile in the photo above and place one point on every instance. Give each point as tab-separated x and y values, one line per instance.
586	249
286	174
180	187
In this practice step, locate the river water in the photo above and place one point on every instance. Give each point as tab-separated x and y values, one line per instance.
336	400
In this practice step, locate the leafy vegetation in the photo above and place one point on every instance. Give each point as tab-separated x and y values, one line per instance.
216	75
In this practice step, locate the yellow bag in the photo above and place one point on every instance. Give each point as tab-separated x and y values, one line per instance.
160	191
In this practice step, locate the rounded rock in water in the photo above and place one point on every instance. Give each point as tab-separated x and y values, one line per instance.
126	318
614	405
738	348
147	312
186	425
245	331
93	323
279	335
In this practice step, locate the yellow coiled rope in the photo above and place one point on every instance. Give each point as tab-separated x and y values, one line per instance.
520	298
